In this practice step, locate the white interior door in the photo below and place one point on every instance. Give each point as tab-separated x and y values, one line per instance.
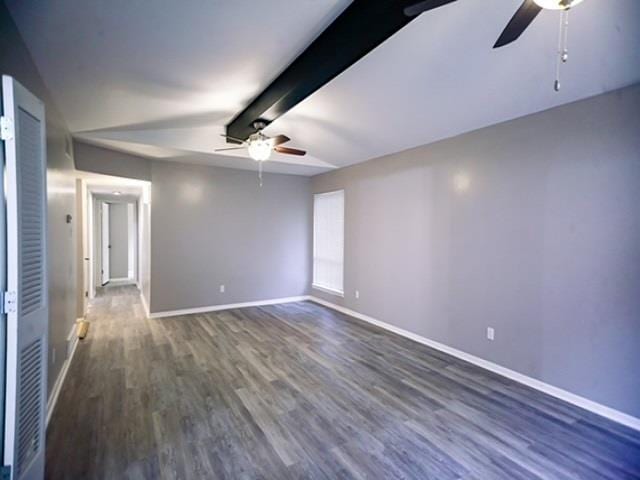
26	299
105	242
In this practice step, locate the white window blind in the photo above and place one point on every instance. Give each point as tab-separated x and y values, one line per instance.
328	241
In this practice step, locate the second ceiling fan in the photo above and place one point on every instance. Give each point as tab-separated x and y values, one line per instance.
518	23
525	15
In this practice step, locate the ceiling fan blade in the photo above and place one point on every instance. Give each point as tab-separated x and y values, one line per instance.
225	149
232	138
290	151
280	139
424	6
518	23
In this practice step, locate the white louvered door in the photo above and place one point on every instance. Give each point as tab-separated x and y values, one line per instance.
27	318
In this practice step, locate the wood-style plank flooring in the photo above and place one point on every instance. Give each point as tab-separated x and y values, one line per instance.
300	391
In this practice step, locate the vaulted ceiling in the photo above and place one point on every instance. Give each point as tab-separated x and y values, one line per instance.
162	79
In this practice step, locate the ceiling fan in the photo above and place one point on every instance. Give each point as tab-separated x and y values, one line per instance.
260	145
523	17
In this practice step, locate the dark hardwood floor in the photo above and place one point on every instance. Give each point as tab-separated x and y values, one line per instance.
300	391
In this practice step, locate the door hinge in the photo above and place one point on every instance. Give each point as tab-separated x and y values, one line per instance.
5	473
9	302
6	128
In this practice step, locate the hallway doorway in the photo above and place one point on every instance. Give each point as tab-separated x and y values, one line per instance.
114	236
118	241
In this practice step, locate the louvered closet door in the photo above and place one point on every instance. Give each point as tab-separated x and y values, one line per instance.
27	322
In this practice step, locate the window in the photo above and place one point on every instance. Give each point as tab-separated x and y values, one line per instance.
328	241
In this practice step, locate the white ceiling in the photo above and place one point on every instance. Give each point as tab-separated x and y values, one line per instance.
161	79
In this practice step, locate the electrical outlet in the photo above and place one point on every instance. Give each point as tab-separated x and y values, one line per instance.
490	333
357	293
221	288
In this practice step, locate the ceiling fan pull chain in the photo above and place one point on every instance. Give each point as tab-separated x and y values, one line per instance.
260	172
563	52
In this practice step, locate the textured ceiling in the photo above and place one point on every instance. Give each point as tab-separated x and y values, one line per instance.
163	81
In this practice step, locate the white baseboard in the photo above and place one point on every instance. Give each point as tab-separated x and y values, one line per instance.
144	305
72	343
585	403
215	308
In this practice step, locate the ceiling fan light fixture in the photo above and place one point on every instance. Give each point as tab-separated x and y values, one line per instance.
260	148
557	4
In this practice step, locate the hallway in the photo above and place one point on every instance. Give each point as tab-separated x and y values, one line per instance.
90	434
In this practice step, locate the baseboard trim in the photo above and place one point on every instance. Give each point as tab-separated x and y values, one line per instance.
215	308
72	343
119	279
577	400
144	305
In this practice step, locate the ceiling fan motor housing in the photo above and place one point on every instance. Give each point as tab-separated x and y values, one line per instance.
260	124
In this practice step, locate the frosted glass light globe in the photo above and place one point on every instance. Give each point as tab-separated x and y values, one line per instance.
260	148
557	4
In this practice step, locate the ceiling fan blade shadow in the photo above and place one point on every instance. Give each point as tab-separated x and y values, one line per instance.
518	23
424	6
280	139
290	151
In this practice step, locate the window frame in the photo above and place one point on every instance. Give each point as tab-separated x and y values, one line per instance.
319	286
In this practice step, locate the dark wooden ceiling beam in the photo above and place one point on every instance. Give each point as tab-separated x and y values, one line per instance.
360	28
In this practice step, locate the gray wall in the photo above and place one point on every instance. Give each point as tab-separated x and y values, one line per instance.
16	61
119	241
212	226
97	240
544	245
95	159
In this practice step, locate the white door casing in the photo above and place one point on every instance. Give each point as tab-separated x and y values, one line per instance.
104	213
131	241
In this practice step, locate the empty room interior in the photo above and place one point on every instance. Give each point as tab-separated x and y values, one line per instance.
320	239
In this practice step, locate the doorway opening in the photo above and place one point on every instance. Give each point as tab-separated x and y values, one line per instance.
116	233
115	237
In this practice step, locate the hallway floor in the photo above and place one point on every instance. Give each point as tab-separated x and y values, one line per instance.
300	391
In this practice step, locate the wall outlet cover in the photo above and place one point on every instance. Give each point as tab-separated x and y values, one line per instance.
490	333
